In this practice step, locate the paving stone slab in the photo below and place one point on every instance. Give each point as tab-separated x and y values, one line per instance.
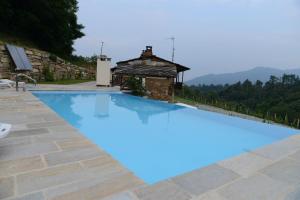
75	143
61	128
12	116
17	121
7	187
210	196
51	177
122	196
94	188
46	124
34	196
21	151
296	156
104	159
12	167
53	117
18	127
280	149
246	164
28	132
72	155
205	179
15	141
59	136
285	170
41	179
258	187
162	191
110	170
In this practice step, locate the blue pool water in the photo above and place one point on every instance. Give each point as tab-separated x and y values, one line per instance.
157	140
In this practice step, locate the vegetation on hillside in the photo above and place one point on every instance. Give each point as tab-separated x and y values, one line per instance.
87	61
50	25
277	100
6	38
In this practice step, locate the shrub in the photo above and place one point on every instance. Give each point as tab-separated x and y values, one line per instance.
136	86
48	75
53	57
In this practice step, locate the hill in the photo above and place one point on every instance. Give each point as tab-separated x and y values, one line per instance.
259	73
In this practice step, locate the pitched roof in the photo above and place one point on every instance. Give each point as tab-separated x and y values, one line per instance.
180	68
149	65
146	70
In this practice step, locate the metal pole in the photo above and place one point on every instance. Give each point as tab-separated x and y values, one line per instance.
17	83
173	49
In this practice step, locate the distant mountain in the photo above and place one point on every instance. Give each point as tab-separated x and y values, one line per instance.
259	73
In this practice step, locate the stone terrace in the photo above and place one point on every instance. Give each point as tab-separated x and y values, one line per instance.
46	158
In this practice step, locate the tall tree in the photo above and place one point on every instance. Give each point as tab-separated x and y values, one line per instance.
50	24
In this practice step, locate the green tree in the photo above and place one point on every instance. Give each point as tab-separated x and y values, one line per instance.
49	24
278	99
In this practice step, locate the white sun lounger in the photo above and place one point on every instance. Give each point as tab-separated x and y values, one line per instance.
4	130
6	83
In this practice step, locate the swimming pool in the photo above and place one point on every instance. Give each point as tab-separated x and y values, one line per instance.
157	140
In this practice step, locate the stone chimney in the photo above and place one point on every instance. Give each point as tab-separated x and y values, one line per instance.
147	53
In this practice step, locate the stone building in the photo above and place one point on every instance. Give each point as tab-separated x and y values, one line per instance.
159	76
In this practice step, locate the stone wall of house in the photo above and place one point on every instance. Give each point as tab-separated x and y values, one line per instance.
160	88
40	61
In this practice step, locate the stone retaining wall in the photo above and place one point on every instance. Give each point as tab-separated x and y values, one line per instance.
41	61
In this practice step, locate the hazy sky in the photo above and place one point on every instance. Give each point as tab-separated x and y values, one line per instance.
212	36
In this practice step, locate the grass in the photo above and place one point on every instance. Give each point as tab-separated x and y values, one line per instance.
65	82
185	101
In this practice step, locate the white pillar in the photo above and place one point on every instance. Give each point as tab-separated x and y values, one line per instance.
103	71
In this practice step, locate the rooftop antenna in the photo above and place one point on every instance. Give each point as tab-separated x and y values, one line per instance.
102	43
173	47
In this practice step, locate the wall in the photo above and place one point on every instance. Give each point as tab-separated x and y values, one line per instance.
41	60
160	88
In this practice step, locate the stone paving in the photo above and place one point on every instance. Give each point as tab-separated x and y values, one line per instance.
46	158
